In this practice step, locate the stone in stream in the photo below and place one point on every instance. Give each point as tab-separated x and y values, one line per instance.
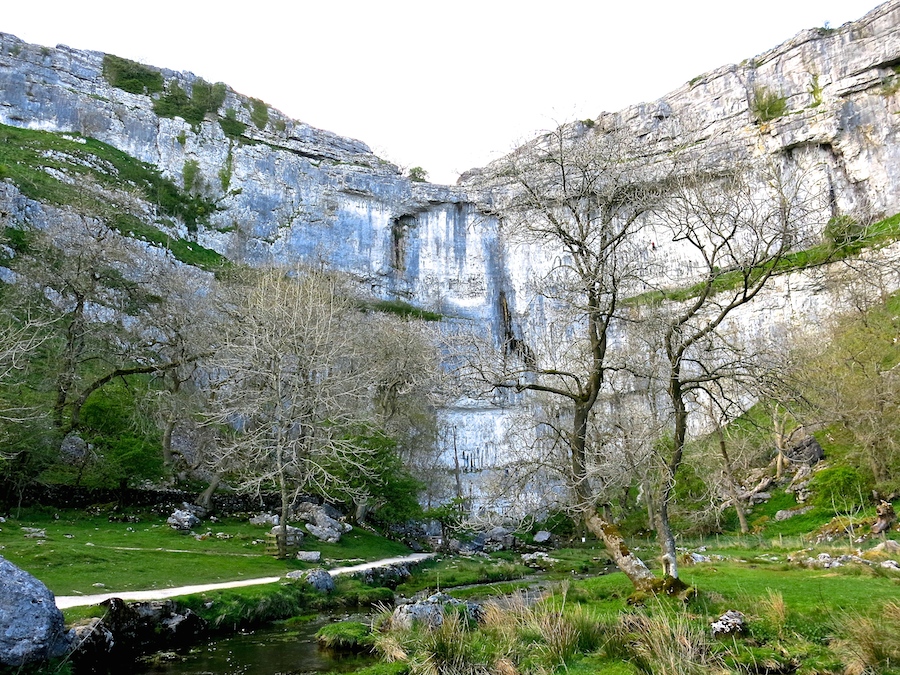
31	626
430	611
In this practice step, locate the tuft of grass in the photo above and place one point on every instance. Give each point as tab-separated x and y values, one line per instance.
870	644
259	113
406	310
767	105
345	636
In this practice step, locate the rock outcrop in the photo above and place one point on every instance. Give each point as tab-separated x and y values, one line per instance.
31	626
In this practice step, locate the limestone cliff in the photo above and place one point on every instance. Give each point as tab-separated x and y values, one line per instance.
285	191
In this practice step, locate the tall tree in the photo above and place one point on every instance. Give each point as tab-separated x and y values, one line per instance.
292	389
575	197
735	227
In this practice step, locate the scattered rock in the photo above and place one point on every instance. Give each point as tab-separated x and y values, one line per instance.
891	564
760	497
183	520
784	514
730	623
542	537
31	626
389	576
309	556
321	525
538	560
34	533
496	539
318	578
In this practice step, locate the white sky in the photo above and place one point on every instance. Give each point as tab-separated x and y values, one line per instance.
444	86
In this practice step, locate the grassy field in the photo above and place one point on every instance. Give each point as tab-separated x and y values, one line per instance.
81	550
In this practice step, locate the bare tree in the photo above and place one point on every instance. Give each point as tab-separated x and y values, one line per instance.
736	226
292	385
576	195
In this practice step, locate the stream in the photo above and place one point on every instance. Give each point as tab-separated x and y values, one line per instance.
271	650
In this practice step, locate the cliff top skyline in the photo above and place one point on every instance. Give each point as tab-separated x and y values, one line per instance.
444	88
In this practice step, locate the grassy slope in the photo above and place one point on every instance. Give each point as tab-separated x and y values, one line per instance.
51	167
97	552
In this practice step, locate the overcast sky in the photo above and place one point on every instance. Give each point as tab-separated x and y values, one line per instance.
445	86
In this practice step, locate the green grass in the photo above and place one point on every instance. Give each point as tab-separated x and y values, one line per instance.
404	309
28	156
448	572
131	76
877	234
97	552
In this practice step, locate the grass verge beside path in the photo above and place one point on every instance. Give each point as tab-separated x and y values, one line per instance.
82	550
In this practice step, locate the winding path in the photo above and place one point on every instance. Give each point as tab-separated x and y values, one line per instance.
66	601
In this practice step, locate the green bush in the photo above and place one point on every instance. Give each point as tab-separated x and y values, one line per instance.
190	174
259	113
232	127
842	231
131	76
418	174
205	98
767	105
840	488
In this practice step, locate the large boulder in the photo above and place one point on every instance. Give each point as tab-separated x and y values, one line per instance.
31	626
321	523
183	520
808	451
430	611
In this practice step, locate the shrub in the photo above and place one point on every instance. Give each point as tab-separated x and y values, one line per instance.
131	76
204	98
232	126
259	113
190	174
843	230
767	105
418	174
840	488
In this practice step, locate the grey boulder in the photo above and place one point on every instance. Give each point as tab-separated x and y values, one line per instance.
31	626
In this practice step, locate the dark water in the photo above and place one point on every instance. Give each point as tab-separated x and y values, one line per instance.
268	651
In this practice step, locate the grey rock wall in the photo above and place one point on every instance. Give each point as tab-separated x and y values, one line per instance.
300	193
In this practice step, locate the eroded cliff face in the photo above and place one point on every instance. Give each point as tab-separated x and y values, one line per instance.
286	191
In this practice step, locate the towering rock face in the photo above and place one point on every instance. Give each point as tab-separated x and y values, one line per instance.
826	100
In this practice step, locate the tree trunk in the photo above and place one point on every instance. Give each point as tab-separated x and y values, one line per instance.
633	567
732	485
664	527
205	498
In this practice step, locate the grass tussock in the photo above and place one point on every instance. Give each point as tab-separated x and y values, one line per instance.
870	644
